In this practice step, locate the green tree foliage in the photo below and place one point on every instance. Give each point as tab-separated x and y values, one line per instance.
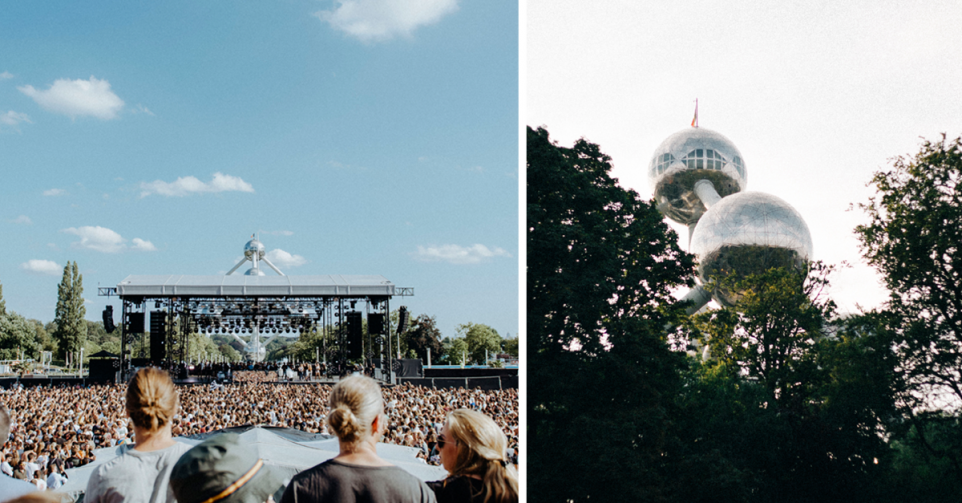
3	303
227	351
47	343
912	239
17	337
423	333
455	351
772	331
202	347
71	327
817	392
510	346
601	377
481	340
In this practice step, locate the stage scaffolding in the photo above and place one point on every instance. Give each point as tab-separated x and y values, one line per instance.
258	307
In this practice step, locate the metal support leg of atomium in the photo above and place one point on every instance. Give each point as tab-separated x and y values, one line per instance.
698	177
254	253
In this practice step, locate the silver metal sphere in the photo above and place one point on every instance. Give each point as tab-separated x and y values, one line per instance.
686	157
254	246
749	233
254	272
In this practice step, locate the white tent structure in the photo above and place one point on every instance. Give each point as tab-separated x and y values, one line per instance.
291	451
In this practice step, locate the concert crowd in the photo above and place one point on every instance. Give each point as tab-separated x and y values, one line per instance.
56	428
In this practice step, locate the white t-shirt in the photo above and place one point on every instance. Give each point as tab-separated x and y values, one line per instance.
135	477
55	480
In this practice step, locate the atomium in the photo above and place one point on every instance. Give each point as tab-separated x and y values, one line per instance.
697	176
686	157
253	247
748	233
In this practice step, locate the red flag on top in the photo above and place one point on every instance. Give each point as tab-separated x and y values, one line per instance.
694	120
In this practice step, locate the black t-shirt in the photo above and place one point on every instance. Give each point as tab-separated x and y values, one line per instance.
344	483
458	490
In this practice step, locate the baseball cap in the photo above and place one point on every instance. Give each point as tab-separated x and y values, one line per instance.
222	470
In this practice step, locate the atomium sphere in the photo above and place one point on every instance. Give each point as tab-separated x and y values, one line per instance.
254	246
686	157
254	272
748	233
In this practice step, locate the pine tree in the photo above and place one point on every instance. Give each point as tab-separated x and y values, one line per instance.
71	331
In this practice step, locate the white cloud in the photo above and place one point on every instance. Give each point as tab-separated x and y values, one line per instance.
54	192
78	97
380	20
22	219
141	245
142	109
106	240
6	76
38	266
187	185
97	238
282	259
456	254
12	118
278	233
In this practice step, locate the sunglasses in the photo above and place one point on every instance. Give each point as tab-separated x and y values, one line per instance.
442	440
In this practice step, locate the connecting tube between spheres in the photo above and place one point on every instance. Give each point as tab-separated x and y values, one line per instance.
707	193
699	297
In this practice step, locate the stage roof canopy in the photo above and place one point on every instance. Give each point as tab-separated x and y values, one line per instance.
255	286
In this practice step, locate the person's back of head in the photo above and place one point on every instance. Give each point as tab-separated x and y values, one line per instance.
482	450
354	402
151	399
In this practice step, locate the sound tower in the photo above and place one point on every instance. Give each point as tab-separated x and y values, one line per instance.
134	323
402	317
109	319
375	323
354	350
158	337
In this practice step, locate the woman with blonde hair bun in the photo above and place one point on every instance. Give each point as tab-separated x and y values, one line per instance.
142	470
474	451
357	474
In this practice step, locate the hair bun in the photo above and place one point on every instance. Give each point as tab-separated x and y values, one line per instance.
344	423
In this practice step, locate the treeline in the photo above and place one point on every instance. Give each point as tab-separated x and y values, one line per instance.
472	343
777	399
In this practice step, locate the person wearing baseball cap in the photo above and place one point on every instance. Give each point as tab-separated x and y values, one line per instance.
222	470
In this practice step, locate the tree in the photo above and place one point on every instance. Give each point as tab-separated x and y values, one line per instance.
456	351
772	330
71	328
816	388
510	346
229	352
423	334
912	239
3	303
17	337
601	377
482	341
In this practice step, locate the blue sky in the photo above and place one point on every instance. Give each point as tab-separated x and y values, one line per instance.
355	138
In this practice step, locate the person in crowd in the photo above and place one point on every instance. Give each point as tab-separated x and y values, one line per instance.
221	469
141	472
474	452
10	487
357	474
57	476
